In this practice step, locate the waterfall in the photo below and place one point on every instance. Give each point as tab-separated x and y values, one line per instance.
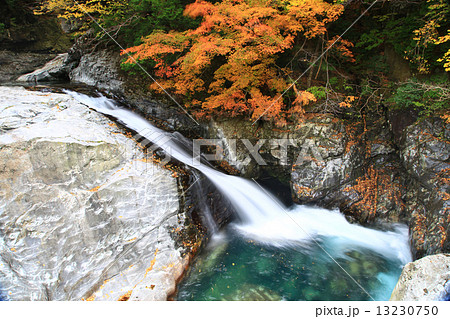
263	217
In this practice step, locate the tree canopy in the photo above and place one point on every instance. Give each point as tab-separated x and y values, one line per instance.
240	57
228	63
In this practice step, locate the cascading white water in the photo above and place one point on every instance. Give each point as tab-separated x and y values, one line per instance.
264	218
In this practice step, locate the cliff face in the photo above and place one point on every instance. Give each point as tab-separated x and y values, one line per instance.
82	213
425	154
378	178
362	168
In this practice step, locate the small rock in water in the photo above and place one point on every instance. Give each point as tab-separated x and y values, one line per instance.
370	269
355	268
339	284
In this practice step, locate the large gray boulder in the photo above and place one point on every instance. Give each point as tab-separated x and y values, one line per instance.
426	279
82	213
55	70
100	69
13	64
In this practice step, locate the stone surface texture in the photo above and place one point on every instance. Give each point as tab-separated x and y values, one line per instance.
426	279
99	69
54	70
82	214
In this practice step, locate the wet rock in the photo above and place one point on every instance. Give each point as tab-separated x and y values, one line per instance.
426	150
215	251
100	69
82	215
279	150
359	171
329	162
339	284
327	165
311	294
376	179
266	266
355	269
14	64
55	70
426	279
350	168
167	116
425	153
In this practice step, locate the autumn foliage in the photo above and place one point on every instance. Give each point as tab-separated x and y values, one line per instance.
429	36
228	64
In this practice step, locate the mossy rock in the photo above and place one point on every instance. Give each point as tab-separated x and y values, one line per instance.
355	268
45	35
370	268
339	284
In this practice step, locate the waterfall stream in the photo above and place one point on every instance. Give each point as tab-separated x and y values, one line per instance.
264	219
